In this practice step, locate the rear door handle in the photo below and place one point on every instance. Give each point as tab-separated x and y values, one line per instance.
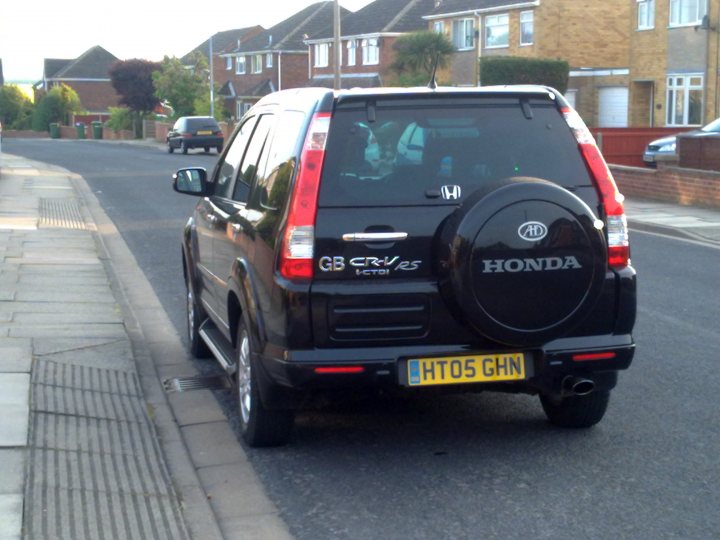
374	237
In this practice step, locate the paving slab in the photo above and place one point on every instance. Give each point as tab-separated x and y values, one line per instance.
235	491
12	470
223	450
14	426
263	527
15	359
196	407
11	512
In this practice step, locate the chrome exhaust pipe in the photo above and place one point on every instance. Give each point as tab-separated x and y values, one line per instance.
577	386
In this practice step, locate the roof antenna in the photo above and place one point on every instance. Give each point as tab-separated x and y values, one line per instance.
432	85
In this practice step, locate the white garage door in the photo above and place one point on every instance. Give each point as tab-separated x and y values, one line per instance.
613	107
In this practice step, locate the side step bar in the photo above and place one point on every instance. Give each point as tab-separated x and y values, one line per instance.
218	345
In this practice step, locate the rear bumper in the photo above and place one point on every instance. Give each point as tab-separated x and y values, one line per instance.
383	367
198	142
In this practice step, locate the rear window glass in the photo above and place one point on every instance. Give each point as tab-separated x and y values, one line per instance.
413	148
201	123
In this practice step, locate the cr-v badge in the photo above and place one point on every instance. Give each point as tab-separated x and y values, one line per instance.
450	192
532	231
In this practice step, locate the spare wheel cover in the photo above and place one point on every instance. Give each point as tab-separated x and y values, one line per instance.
527	261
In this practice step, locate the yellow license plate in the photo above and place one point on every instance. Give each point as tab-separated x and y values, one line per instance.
204	132
466	369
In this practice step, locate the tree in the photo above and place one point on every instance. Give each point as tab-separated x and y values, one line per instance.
181	85
15	107
202	105
133	81
56	106
416	53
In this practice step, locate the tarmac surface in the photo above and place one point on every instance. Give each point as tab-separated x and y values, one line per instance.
92	445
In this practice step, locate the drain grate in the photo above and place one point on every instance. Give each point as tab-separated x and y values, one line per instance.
61	214
196	382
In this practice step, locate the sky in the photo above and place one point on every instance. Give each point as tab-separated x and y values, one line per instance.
31	30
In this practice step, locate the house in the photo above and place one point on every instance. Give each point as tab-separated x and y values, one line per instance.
223	42
274	59
593	37
88	75
367	42
674	47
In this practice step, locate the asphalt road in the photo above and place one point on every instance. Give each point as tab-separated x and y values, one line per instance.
475	466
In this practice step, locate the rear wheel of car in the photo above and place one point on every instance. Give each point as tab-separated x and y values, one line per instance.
184	147
219	148
198	347
259	426
207	149
170	149
576	411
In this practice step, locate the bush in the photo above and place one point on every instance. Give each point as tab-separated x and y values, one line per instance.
56	106
15	108
498	70
120	118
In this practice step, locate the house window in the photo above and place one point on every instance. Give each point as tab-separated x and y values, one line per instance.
321	54
684	100
228	62
370	51
240	65
352	52
497	31
463	34
268	60
257	62
439	27
526	27
646	14
687	12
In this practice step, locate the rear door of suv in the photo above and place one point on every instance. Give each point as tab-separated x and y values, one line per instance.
376	269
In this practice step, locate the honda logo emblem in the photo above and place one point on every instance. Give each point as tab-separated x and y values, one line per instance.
450	193
532	231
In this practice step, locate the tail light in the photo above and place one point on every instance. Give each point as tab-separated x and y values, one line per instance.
612	199
296	251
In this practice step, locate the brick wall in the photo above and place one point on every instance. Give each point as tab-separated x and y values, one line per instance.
670	184
95	96
699	152
24	134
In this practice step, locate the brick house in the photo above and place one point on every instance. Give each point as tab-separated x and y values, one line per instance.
223	42
593	37
88	75
274	59
674	47
367	42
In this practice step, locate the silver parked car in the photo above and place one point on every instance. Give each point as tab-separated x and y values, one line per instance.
665	147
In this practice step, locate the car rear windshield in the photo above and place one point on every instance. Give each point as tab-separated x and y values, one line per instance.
402	152
194	124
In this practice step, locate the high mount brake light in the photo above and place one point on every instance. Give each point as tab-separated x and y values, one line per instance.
296	252
612	199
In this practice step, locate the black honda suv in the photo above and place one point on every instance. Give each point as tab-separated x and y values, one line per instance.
472	239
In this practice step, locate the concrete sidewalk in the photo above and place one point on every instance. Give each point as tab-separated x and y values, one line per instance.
91	445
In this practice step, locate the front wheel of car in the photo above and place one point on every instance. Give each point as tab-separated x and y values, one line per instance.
259	425
576	411
198	347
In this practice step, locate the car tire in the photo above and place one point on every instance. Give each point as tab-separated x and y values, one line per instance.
259	426
194	318
219	148
170	149
184	147
576	411
207	149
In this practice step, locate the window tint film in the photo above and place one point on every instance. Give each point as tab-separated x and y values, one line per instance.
231	162
414	147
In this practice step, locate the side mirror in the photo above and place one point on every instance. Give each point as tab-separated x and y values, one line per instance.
191	181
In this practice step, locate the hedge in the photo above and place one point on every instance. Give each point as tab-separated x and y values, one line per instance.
499	70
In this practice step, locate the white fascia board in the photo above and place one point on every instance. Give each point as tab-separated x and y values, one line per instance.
62	79
356	36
